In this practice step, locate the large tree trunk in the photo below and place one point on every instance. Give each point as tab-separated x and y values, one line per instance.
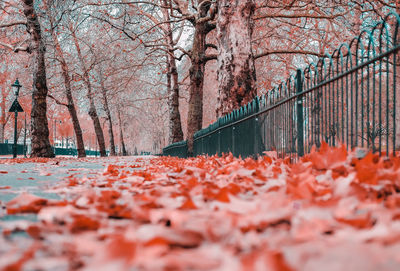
196	73
236	70
3	119
2	126
3	122
108	114
68	93
175	127
40	131
92	108
121	135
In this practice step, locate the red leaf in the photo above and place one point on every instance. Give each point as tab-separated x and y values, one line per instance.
25	203
188	204
83	223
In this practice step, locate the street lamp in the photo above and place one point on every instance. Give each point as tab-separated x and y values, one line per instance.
15	107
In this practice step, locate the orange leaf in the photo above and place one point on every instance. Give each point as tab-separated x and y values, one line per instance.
83	223
223	195
188	205
25	203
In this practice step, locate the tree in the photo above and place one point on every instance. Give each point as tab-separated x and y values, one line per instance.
67	85
108	113
39	126
203	24
157	37
123	151
3	95
89	94
175	127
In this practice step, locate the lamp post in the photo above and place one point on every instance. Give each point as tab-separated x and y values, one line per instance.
15	107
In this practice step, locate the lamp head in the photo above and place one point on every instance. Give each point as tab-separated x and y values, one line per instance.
16	87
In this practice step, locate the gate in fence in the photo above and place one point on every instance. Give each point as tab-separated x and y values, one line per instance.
349	97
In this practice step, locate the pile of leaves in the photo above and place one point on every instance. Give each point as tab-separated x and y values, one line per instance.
331	210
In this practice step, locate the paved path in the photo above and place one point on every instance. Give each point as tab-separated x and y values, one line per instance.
35	178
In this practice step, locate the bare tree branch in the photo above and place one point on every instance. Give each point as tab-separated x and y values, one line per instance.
16	48
13	24
57	101
277	52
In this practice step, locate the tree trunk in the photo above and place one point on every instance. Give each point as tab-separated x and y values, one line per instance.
40	131
196	73
108	113
2	127
175	127
3	119
92	108
121	135
199	59
175	132
236	70
68	93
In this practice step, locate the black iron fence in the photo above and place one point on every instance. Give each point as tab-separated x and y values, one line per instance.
349	97
74	152
7	149
178	149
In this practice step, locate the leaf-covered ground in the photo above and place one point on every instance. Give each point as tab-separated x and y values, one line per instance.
332	210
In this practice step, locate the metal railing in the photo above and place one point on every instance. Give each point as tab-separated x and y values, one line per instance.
7	149
349	97
74	152
178	149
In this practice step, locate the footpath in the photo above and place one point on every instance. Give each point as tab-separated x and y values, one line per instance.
332	210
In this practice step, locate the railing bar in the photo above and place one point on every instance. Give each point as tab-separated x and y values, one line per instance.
362	107
312	122
347	111
356	111
387	107
380	107
394	104
337	113
373	108
351	111
368	107
330	113
342	96
325	96
288	126
306	118
333	115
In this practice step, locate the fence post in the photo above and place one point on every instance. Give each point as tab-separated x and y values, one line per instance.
219	143
256	148
300	120
233	140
